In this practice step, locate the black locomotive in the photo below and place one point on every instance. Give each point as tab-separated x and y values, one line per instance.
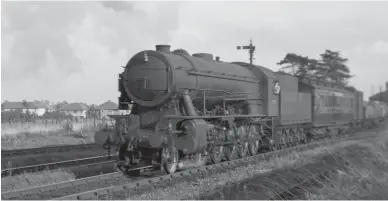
190	110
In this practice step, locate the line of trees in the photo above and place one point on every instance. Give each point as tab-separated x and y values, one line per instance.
330	67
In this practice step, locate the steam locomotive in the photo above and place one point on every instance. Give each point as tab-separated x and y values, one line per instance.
188	110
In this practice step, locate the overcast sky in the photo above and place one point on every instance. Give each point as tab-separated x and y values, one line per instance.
73	50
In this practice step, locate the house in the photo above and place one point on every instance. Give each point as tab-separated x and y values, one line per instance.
110	108
75	110
32	107
47	107
381	96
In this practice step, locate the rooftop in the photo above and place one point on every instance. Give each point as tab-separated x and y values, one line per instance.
109	105
26	105
75	107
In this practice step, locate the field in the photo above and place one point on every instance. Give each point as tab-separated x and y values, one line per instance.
19	135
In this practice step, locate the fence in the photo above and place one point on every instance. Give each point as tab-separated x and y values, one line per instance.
48	118
43	125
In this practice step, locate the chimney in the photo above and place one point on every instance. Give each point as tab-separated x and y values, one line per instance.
163	48
217	58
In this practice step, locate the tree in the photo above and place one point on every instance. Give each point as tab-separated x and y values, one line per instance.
45	102
60	105
25	104
333	67
300	66
93	112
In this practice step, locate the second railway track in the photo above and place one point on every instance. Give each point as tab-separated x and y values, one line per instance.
93	187
48	149
62	164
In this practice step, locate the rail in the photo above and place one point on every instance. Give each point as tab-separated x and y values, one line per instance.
56	165
48	149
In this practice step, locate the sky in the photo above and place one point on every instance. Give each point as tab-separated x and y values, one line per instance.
74	51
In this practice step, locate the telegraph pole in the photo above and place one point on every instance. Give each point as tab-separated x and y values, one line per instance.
251	49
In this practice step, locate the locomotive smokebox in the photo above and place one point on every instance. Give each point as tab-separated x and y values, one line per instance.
163	48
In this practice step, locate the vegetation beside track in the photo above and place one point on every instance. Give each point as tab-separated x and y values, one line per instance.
31	135
29	180
365	176
207	186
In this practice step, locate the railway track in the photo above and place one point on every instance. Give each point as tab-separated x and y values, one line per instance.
93	187
48	149
91	161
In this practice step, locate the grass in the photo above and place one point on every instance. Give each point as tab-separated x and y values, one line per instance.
360	172
365	178
204	186
22	136
29	180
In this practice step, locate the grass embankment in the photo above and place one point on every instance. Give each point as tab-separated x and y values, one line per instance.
35	179
23	136
232	184
359	172
364	178
28	180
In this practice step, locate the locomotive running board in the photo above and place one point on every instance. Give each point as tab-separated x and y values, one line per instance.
118	116
214	117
